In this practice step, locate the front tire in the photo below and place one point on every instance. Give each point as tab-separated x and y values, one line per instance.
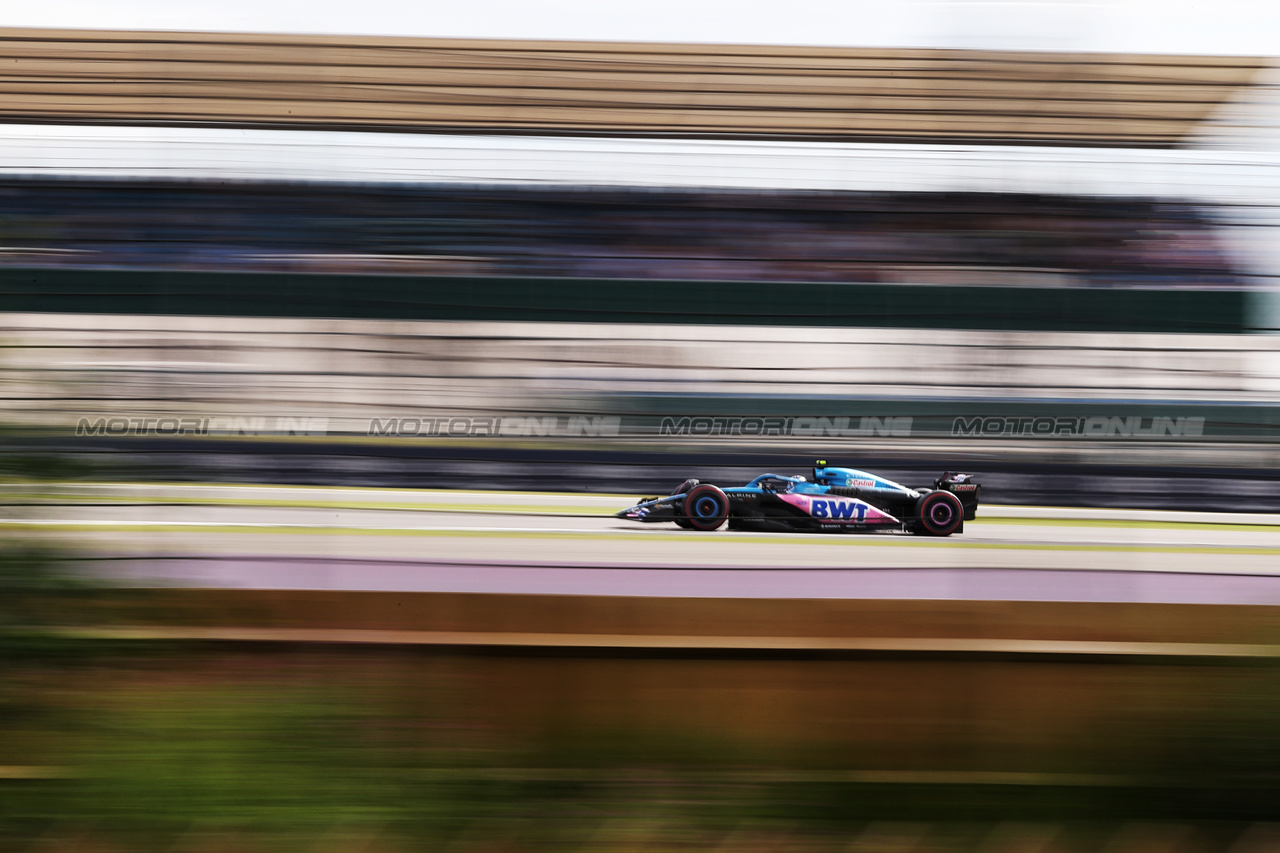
706	507
681	521
939	514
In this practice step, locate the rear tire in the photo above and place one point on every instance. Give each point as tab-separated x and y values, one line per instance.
706	507
939	514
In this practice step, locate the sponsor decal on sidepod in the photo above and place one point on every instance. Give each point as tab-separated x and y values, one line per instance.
839	510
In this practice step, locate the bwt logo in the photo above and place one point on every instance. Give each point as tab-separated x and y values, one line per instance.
1092	427
839	510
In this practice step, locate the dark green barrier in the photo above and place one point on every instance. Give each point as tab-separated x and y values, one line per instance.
619	301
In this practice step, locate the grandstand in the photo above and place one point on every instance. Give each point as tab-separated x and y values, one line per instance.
976	239
354	183
666	90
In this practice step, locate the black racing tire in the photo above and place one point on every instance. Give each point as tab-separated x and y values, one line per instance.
706	507
681	521
939	514
685	486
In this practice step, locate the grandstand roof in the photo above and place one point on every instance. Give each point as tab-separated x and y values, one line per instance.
598	88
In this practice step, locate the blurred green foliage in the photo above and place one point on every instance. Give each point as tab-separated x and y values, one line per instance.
272	748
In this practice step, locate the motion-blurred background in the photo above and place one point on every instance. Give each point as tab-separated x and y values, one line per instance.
333	231
281	313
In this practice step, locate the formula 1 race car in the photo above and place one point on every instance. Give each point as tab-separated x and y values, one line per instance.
832	499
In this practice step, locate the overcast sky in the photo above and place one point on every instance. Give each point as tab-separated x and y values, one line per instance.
1148	26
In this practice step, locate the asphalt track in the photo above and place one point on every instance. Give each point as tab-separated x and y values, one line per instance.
442	541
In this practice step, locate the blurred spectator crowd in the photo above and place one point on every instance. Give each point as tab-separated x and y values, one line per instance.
915	238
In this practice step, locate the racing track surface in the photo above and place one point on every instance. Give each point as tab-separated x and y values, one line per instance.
437	541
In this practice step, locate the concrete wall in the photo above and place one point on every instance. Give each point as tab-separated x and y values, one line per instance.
60	367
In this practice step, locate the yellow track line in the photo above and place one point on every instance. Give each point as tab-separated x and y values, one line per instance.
677	642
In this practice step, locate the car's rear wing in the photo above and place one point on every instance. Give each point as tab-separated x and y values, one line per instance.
964	488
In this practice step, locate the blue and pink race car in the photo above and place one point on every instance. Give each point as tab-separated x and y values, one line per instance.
831	500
